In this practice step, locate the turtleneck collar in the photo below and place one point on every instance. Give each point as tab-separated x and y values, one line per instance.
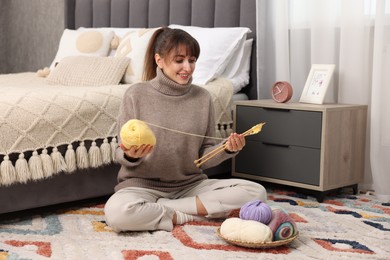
167	86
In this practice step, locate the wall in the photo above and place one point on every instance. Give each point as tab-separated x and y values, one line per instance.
3	60
30	33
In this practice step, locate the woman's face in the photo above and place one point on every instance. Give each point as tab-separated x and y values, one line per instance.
177	65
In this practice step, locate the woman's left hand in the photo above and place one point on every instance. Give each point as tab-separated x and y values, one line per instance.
235	142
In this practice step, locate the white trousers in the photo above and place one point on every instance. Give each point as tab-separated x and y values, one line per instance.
136	209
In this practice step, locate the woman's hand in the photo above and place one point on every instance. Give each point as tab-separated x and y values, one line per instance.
235	142
135	152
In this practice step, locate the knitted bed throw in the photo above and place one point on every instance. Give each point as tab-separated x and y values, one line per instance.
36	118
221	91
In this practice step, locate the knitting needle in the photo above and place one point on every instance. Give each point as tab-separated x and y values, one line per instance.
254	130
209	155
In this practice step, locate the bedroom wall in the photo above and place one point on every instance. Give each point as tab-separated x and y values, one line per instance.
2	39
30	33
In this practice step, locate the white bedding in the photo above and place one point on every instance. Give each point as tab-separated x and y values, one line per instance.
35	116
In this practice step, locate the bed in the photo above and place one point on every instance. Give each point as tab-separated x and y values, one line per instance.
47	158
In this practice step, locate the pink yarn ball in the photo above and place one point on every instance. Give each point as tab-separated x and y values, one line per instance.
256	210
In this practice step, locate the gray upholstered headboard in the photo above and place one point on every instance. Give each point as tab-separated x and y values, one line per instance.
154	13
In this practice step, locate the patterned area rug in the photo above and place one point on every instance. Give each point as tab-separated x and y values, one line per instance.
342	227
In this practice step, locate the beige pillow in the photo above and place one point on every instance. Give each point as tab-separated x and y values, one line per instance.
134	46
87	43
88	71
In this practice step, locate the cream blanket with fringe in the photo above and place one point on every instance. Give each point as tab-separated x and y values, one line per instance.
221	91
36	116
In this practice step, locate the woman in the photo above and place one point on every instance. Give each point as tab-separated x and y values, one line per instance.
161	186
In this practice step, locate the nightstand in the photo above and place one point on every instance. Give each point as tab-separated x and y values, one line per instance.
310	146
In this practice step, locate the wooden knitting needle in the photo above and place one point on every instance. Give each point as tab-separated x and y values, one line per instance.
254	130
209	155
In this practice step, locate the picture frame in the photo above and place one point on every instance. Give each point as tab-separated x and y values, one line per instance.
317	83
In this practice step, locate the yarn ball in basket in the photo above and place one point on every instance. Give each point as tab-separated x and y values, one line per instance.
282	225
248	231
256	210
136	132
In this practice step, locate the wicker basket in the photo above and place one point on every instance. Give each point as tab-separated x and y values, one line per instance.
258	245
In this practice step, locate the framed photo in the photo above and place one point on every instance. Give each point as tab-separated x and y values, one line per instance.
317	83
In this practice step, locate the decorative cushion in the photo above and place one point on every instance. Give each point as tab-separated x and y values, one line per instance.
83	42
119	34
217	47
134	46
88	71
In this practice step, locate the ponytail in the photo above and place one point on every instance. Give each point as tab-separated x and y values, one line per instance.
150	64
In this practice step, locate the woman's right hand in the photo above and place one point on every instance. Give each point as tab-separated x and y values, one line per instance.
135	152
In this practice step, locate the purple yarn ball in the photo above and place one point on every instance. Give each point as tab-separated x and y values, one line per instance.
256	210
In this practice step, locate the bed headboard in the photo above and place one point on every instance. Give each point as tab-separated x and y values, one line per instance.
154	13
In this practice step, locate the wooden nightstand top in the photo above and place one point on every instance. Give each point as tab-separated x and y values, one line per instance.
269	103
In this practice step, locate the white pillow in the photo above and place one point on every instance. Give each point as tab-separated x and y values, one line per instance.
217	46
237	71
87	43
134	46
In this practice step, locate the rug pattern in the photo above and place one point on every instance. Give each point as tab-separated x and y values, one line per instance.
342	227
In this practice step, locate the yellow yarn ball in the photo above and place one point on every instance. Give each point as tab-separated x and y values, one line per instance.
136	132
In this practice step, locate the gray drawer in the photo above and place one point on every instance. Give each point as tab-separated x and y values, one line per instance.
290	163
283	126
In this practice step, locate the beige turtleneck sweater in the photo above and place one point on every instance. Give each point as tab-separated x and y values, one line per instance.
186	108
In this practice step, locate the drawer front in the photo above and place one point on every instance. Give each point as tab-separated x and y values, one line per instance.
283	126
290	163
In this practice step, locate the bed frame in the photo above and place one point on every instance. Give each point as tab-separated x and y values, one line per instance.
99	182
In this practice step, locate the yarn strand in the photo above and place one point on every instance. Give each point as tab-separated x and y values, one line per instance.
185	133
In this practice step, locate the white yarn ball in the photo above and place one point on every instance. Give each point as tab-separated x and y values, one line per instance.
246	230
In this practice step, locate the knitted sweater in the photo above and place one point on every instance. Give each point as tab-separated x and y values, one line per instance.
186	108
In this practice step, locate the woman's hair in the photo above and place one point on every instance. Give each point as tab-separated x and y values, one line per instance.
164	41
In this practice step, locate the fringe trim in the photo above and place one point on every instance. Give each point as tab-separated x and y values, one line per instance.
114	145
44	165
224	129
95	157
70	159
22	169
8	172
35	165
47	164
105	150
82	156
